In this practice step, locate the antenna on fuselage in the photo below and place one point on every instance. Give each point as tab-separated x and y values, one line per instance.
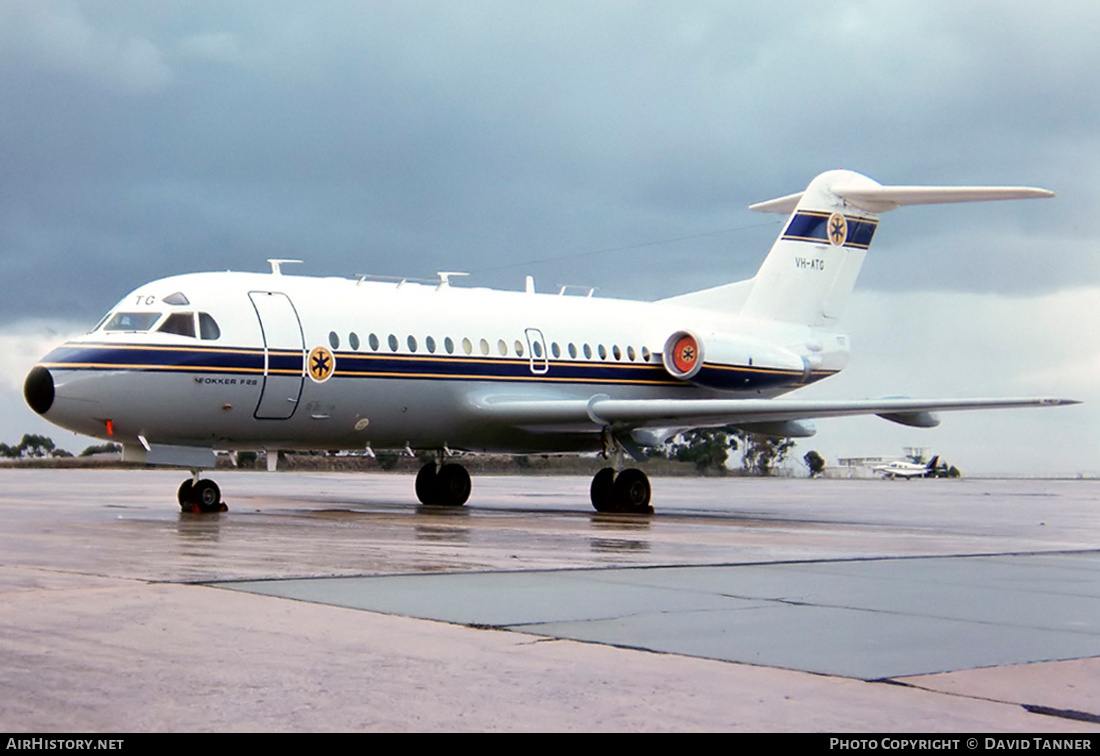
564	289
276	262
445	277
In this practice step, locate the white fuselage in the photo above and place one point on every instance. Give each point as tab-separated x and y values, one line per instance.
331	363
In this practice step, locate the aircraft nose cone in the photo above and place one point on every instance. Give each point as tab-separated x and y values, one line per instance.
38	389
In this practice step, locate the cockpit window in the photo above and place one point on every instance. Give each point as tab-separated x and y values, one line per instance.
182	323
208	327
100	323
132	321
176	298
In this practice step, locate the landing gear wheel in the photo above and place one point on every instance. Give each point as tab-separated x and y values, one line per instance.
626	493
202	497
601	491
452	484
425	484
632	492
447	486
209	496
186	497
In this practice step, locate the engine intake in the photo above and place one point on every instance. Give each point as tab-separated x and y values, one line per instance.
731	363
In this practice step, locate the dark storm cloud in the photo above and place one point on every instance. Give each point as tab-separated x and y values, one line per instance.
139	140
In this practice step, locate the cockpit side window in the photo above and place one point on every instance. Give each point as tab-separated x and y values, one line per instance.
181	323
100	323
208	327
132	321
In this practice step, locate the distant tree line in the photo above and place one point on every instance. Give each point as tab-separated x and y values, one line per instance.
33	446
709	450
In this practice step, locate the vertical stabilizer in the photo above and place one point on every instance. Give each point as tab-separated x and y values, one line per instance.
812	268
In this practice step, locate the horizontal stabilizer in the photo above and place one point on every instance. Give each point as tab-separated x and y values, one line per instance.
781	205
879	199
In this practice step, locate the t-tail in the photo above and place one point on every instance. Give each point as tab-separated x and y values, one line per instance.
811	269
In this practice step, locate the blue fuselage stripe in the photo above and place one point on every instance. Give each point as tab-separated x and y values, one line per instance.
351	365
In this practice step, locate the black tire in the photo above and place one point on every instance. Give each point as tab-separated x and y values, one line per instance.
603	484
208	496
203	497
632	492
186	497
452	485
426	489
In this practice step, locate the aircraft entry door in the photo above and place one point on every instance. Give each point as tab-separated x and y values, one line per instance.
536	347
284	355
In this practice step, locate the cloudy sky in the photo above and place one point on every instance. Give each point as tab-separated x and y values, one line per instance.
609	144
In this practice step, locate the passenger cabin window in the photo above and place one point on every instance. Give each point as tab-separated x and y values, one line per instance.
132	321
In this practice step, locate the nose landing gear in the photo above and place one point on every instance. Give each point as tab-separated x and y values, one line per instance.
200	496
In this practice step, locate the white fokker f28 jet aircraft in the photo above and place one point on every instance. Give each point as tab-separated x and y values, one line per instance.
189	364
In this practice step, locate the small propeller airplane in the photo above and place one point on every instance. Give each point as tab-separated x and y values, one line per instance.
194	363
909	470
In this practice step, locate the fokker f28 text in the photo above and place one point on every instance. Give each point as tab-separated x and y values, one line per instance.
195	363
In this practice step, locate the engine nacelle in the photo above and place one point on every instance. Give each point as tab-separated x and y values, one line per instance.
732	363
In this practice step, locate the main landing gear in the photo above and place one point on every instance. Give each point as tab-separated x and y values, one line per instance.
443	485
626	493
200	496
448	485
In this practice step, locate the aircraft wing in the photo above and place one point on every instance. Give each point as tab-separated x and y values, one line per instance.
627	414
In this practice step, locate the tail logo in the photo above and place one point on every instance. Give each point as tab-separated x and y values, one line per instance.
838	229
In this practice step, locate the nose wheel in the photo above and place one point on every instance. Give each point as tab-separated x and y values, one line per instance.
200	497
626	493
